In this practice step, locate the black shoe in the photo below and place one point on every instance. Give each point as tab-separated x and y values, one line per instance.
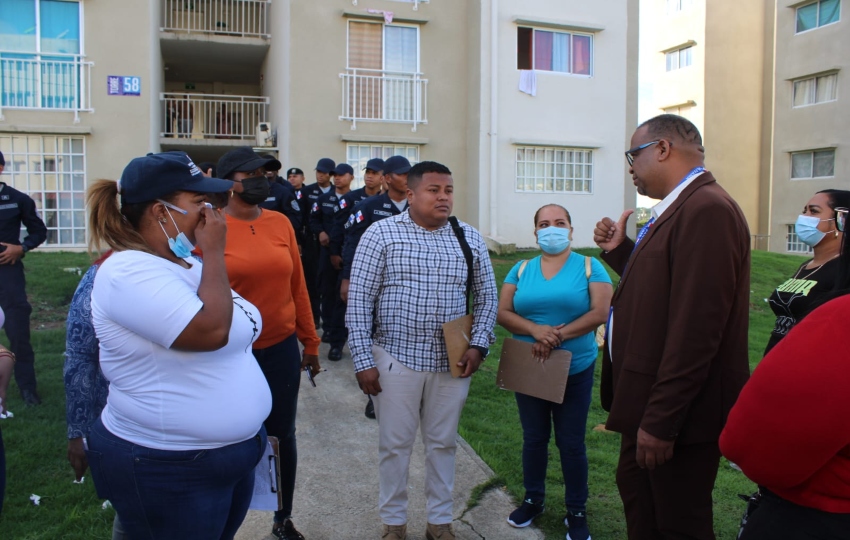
576	522
335	354
326	338
30	397
286	531
370	409
525	514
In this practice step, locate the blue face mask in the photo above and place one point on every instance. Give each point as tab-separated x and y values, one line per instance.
807	230
180	246
553	240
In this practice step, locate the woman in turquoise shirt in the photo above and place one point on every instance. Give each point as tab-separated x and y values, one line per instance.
551	301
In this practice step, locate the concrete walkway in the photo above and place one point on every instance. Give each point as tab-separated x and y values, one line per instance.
336	492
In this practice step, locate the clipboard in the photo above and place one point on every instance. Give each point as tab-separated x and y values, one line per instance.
457	333
267	494
520	372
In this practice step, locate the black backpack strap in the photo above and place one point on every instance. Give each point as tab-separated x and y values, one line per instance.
467	254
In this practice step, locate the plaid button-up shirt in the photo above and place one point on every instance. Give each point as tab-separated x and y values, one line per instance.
406	281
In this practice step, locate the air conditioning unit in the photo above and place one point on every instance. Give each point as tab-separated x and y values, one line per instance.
264	134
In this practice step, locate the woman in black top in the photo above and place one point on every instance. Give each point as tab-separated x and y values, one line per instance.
817	228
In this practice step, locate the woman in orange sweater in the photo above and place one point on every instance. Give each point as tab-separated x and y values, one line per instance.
264	266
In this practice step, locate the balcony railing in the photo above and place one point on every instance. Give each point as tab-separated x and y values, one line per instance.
210	116
40	81
245	18
384	96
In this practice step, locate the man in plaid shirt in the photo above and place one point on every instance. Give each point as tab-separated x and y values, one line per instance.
409	276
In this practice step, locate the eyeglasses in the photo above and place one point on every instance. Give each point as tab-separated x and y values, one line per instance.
841	218
630	153
178	209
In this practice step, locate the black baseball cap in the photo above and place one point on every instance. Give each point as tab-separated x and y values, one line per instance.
294	170
396	165
156	175
271	165
343	168
326	165
243	159
2	159
374	164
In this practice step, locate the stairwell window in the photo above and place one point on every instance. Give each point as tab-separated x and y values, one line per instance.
816	90
561	52
818	14
680	58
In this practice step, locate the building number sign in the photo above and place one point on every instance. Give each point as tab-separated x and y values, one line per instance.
118	85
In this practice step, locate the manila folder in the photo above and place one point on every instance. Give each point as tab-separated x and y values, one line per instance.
457	334
520	372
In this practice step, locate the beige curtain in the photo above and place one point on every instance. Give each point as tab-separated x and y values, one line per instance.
365	51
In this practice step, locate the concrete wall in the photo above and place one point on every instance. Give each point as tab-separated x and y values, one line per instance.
823	125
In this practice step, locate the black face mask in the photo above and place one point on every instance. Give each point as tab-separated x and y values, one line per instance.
254	190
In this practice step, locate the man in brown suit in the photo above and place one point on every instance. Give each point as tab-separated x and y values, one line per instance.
676	354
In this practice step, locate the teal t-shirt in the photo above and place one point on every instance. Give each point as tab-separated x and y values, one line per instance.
562	299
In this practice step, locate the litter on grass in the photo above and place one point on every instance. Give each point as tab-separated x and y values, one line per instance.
36	500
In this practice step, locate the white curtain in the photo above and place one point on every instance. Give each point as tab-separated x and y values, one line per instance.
804	92
561	52
826	88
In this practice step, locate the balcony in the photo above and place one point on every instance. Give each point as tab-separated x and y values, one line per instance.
384	96
241	18
59	82
202	124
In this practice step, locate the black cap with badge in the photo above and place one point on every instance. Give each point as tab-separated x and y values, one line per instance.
294	170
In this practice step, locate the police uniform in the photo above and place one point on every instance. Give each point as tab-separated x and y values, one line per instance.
322	215
17	208
310	244
364	214
346	206
282	199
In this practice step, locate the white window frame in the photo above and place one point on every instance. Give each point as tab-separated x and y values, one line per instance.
37	5
384	42
33	182
678	55
531	182
817	24
381	150
814	89
793	244
812	152
571	34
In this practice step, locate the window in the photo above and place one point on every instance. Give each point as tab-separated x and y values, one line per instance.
40	50
793	244
676	6
359	154
52	170
679	58
816	164
815	90
544	50
685	111
818	14
554	170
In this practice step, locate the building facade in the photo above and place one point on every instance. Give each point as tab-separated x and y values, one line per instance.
527	102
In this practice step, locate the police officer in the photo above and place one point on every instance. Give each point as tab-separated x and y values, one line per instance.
310	246
391	202
322	220
17	208
372	186
282	196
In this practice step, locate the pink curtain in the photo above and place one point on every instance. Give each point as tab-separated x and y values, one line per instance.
543	50
581	55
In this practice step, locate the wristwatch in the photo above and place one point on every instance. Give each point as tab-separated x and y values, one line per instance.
25	248
483	350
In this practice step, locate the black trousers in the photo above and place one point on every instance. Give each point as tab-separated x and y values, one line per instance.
333	324
673	501
13	301
779	519
310	262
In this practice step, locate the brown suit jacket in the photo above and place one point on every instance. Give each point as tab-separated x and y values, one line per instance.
681	313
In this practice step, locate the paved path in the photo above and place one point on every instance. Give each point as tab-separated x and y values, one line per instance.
337	485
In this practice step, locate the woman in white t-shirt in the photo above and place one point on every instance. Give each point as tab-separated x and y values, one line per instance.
176	445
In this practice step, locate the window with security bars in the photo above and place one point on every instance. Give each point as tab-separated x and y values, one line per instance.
52	170
542	169
793	244
359	154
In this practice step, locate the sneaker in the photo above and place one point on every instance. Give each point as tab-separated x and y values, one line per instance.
576	522
394	532
525	514
370	409
439	532
286	531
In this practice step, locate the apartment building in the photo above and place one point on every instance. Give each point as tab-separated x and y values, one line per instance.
527	102
811	115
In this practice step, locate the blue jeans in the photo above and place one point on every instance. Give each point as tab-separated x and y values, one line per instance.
180	495
570	421
281	364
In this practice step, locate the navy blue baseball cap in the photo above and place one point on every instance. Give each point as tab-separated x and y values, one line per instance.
343	168
156	175
326	165
244	159
374	164
2	159
396	165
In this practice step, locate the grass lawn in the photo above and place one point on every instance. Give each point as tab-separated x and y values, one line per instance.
36	439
